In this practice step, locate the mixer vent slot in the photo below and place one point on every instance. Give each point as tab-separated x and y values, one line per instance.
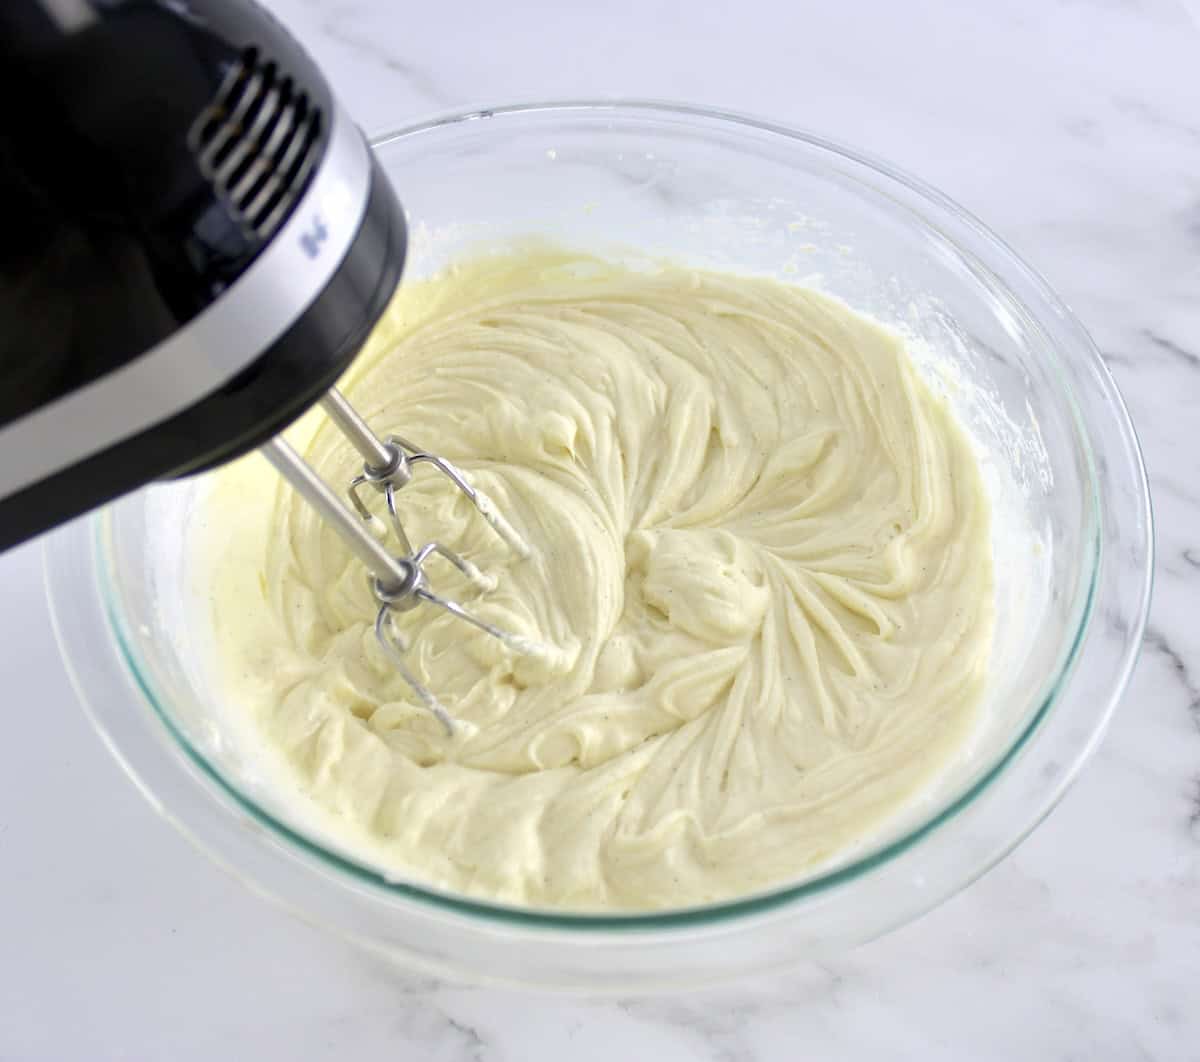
257	142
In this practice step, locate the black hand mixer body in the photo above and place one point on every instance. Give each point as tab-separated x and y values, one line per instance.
195	240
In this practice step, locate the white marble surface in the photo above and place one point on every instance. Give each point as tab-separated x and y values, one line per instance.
1073	128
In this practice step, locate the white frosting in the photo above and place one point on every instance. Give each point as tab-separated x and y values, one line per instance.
760	556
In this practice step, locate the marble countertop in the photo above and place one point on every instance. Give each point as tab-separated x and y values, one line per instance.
1073	128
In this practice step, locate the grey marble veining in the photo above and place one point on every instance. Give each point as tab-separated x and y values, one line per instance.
1073	129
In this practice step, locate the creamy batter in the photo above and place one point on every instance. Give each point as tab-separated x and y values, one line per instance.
761	552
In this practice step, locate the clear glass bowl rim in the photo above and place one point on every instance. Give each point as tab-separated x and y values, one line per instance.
728	911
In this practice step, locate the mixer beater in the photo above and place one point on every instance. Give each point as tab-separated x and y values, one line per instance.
398	581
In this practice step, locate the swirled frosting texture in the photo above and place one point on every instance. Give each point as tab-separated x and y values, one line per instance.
761	552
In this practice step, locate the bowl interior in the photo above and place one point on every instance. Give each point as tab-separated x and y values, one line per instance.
647	183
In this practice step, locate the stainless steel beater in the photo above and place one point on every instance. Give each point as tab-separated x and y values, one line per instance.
398	581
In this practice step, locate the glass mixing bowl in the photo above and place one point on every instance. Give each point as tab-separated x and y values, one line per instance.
1073	552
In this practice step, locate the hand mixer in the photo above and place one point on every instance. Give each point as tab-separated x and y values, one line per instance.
195	242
